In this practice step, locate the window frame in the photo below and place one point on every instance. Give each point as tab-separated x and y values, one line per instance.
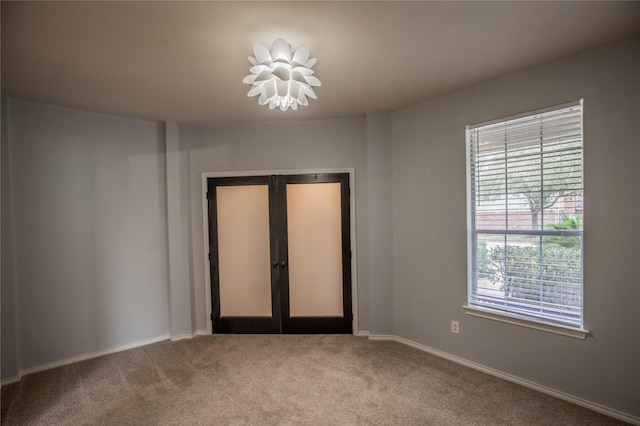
503	314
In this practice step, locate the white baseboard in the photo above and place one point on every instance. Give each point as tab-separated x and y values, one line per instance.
83	357
184	336
515	379
10	380
384	337
362	333
96	354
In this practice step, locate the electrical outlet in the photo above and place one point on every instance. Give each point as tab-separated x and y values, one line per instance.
455	327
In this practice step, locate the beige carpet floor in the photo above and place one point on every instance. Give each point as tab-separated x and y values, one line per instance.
279	380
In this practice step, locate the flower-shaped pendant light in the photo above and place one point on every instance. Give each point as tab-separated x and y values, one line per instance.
281	77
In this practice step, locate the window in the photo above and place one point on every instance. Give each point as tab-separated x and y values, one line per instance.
525	217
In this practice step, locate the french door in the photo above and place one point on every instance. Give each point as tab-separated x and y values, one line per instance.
280	253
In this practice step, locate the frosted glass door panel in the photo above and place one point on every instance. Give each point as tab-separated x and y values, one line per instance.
315	250
243	253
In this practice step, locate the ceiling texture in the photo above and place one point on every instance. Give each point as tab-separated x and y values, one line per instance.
185	61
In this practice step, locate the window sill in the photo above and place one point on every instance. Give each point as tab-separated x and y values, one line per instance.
576	333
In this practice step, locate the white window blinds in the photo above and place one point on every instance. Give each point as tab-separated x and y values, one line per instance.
526	215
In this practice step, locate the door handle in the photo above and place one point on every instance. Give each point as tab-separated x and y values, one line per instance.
283	263
275	264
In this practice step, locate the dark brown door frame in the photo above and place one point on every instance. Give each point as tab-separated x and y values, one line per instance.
281	322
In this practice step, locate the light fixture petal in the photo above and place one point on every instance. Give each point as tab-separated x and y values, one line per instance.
282	87
282	73
312	81
262	53
249	79
311	62
301	55
297	77
309	91
271	89
254	91
294	90
265	75
257	69
252	60
281	50
303	70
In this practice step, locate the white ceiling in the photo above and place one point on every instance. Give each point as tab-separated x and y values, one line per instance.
184	61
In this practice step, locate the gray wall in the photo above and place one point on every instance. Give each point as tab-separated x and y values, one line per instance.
429	220
181	295
277	146
9	354
89	232
380	249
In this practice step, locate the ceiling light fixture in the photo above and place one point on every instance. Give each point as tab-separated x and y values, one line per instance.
281	77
